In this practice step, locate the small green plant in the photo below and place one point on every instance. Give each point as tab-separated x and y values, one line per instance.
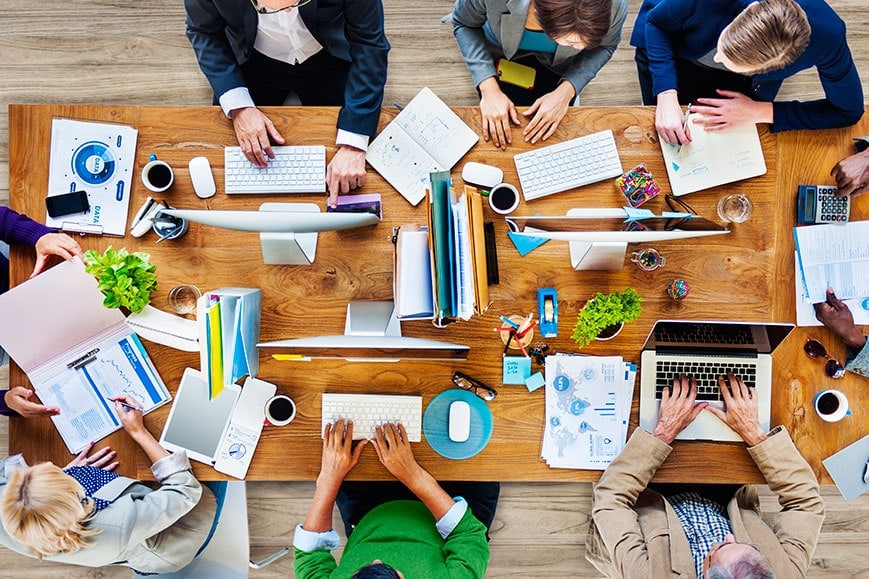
604	311
126	279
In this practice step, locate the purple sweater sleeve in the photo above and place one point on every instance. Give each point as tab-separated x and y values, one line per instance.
20	229
5	410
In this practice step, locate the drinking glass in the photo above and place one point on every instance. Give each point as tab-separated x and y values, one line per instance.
734	208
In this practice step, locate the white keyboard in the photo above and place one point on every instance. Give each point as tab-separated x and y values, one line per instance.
295	169
567	165
369	410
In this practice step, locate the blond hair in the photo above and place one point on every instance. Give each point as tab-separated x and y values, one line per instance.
766	36
45	509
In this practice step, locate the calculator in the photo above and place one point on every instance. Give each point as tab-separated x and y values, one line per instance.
820	204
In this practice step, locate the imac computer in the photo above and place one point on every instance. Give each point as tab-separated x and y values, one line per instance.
372	333
599	238
288	231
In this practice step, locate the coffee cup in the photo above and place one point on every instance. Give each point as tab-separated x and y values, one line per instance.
831	405
504	198
157	175
280	410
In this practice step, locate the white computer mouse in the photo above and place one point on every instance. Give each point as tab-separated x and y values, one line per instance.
460	421
202	177
482	175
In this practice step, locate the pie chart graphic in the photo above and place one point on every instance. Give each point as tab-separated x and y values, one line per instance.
237	450
94	163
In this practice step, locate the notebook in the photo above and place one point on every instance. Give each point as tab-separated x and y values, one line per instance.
705	350
222	432
426	136
713	158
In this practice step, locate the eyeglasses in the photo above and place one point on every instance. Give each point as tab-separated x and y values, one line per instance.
264	10
487	393
815	349
676	204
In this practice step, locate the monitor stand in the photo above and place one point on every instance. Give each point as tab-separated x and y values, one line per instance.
289	248
598	255
372	319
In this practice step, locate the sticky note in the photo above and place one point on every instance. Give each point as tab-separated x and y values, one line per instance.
535	381
516	369
525	245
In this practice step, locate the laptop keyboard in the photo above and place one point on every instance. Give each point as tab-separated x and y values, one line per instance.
704	333
706	374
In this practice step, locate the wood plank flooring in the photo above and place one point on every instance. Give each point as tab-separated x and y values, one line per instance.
113	51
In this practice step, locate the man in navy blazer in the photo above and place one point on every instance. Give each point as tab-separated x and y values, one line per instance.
329	52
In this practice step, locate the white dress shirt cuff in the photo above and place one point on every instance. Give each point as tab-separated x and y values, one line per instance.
235	98
353	139
174	463
449	521
309	541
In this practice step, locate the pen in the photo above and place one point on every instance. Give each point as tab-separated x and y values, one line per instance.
685	124
83	359
509	322
129	406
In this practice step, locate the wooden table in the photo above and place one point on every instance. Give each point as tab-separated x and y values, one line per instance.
746	275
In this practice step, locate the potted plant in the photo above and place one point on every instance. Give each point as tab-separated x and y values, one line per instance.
606	313
126	279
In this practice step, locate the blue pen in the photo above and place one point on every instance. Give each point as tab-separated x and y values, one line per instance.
509	322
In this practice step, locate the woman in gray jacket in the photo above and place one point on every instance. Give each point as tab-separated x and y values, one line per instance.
87	515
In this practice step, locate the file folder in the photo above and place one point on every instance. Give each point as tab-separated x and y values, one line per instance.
229	327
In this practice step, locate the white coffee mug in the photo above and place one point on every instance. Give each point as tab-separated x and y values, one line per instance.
157	175
280	410
503	198
831	405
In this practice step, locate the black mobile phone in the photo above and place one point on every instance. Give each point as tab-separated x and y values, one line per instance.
67	203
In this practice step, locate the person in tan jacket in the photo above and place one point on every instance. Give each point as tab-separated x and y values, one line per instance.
704	530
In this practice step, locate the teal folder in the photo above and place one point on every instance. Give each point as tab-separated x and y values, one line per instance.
442	239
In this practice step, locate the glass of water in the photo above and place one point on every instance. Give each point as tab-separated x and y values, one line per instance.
734	208
182	298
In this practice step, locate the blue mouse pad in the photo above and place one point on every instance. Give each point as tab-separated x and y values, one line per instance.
435	425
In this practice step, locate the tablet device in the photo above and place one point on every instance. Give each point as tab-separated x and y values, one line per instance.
197	424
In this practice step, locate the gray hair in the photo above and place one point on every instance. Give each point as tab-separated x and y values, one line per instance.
751	566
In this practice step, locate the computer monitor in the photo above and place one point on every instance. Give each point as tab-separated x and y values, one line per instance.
288	231
599	237
372	333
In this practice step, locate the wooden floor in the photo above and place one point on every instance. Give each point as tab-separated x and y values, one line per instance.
105	51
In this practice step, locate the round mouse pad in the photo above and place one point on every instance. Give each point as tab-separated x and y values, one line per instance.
435	425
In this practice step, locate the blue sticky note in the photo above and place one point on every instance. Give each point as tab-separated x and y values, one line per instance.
516	369
634	214
525	245
535	381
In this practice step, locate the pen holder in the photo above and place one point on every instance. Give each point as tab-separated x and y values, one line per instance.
525	340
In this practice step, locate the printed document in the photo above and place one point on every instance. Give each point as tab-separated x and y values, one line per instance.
588	405
836	256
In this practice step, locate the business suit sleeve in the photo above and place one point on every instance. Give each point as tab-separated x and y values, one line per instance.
798	525
468	19
843	92
206	30
585	65
615	496
366	78
663	23
178	494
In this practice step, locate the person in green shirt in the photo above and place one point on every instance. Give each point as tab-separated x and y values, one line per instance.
432	535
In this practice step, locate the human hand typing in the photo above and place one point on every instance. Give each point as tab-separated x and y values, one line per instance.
253	129
339	456
740	409
678	409
395	453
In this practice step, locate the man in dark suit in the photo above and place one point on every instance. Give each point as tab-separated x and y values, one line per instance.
329	52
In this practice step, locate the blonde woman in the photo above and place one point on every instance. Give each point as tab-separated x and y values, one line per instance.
87	515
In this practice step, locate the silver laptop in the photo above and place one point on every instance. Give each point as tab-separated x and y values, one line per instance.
706	350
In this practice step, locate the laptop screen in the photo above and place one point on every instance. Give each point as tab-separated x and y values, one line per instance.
736	337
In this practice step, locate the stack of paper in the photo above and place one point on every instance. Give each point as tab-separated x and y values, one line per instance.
588	405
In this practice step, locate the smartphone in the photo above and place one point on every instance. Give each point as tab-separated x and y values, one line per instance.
67	203
516	74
